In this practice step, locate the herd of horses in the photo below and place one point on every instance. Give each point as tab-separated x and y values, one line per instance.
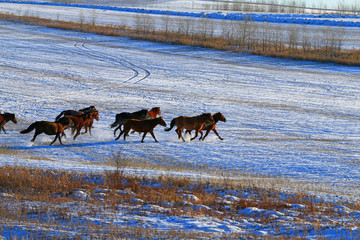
143	121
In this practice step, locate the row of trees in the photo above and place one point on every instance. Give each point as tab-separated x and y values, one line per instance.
274	6
246	35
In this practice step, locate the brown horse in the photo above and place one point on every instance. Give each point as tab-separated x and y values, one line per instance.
4	118
143	114
190	123
76	112
49	128
211	126
153	113
90	121
92	112
79	122
141	126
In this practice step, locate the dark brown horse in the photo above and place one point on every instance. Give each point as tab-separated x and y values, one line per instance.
190	123
49	128
4	118
143	114
141	126
210	126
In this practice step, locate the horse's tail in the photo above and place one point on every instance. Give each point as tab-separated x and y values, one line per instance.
114	124
119	118
59	116
29	129
172	124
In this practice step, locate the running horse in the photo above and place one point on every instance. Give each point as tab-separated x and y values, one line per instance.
210	126
141	126
90	121
143	114
76	112
49	128
4	118
190	123
80	121
92	112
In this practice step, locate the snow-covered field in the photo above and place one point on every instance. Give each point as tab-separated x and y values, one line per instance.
292	121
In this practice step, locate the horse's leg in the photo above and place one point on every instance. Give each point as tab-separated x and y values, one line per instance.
126	133
207	132
180	132
78	132
73	130
217	134
142	140
152	134
2	127
56	137
90	126
201	134
118	127
121	132
196	134
86	130
60	139
35	135
115	130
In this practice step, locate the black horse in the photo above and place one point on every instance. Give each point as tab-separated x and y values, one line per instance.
121	118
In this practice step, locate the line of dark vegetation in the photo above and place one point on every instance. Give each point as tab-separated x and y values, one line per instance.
237	36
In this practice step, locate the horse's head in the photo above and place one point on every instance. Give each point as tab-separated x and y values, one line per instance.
219	117
161	121
156	110
95	115
9	117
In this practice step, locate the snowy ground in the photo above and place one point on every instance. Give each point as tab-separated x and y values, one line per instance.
289	120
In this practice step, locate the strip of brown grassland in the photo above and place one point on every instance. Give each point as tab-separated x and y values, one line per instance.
39	192
349	57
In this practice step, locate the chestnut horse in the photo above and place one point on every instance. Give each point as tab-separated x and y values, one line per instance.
211	126
153	113
143	114
142	126
90	121
49	128
79	122
190	123
4	118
